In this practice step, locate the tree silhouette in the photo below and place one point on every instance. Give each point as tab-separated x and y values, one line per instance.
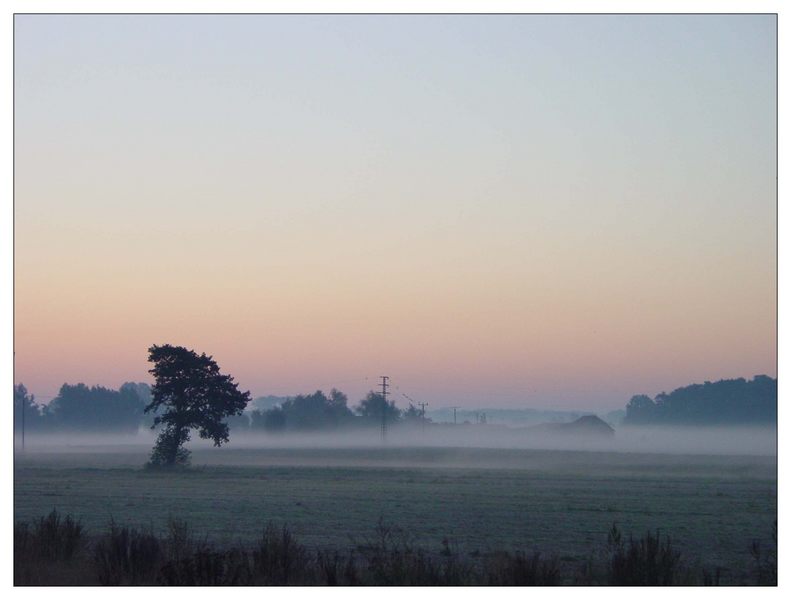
82	408
272	420
189	393
316	411
724	402
372	406
412	414
25	409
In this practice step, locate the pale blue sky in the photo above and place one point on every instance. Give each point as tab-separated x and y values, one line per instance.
512	210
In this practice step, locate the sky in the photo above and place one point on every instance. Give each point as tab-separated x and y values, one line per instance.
503	211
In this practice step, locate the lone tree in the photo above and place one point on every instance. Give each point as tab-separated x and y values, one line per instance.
189	393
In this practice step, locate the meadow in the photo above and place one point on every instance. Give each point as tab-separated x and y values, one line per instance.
476	501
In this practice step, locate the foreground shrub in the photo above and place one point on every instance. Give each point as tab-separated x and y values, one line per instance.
647	561
51	537
765	557
179	543
208	567
278	558
335	569
391	559
126	556
47	548
520	569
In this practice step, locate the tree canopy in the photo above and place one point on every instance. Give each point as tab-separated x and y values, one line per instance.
725	402
306	412
82	408
373	405
189	392
25	408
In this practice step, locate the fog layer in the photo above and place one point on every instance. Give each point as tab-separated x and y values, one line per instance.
756	441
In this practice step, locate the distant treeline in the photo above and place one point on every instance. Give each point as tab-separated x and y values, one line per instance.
82	408
725	402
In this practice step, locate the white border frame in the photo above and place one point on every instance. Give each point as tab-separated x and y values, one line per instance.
783	9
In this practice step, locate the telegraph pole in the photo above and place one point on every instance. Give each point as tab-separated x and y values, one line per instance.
454	413
423	406
22	401
384	384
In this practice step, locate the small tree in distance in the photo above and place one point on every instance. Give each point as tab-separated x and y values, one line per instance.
372	406
189	392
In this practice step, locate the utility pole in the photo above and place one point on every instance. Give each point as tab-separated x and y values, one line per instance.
22	401
423	406
384	384
454	413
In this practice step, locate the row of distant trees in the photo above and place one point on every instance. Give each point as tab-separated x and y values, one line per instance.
82	408
725	402
319	411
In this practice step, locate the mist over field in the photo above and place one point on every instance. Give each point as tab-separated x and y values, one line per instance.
473	499
690	440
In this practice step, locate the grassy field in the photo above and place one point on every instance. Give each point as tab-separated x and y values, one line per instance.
559	503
